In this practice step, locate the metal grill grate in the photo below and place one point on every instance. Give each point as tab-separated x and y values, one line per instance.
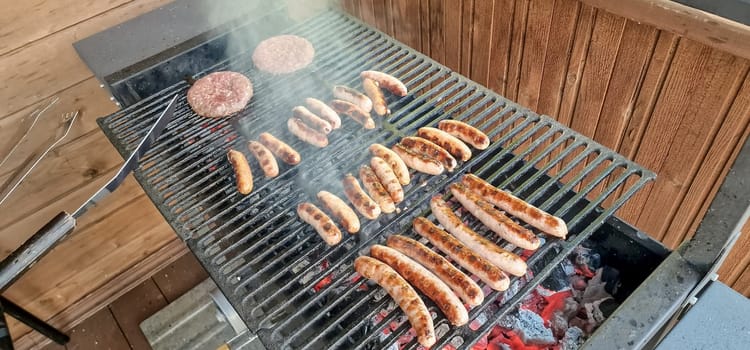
268	263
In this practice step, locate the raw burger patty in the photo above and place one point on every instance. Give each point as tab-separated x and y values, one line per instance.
283	54
220	94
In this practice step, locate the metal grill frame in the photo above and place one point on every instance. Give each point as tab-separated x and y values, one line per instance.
435	89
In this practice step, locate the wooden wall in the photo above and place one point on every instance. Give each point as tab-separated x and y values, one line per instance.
672	104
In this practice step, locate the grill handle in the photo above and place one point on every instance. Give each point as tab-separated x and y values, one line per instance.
38	245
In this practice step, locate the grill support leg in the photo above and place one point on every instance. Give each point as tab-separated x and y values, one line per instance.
27	318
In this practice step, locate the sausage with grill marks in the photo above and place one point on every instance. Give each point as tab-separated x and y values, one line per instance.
379	103
242	171
323	224
386	81
359	99
312	120
361	201
447	141
402	293
343	213
465	132
286	153
324	111
507	261
462	285
418	162
265	158
397	164
460	253
421	146
387	178
376	189
424	280
354	112
496	221
517	207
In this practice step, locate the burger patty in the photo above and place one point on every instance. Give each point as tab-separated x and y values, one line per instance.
283	54
220	94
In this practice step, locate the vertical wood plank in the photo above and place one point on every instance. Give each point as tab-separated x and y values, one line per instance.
576	64
467	31
424	25
98	332
534	52
518	35
559	45
381	18
452	34
367	13
133	308
742	285
502	22
480	41
437	31
406	22
738	259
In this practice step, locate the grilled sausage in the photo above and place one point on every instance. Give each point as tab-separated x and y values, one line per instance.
418	162
421	146
465	132
286	153
386	81
460	253
397	164
323	224
424	280
359	99
305	133
241	171
265	158
506	228
354	112
361	201
343	213
376	95
447	141
388	178
312	120
324	111
402	293
376	189
534	216
507	261
462	285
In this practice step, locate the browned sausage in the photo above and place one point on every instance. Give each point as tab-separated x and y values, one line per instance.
361	201
265	158
447	141
376	189
306	133
312	120
340	210
402	293
460	253
386	81
387	178
418	162
323	224
397	164
534	216
324	111
376	95
424	280
506	228
462	285
507	261
286	153
351	95
465	132
422	146
354	112
241	171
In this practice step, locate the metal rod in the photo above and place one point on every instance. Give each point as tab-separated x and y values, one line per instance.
34	322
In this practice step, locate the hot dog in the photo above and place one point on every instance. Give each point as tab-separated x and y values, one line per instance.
265	158
388	178
534	216
376	95
324	111
357	98
401	292
507	261
354	112
361	201
421	146
306	133
465	132
286	153
447	141
376	190
397	164
424	280
418	162
460	253
340	210
506	228
241	171
323	224
312	120
386	81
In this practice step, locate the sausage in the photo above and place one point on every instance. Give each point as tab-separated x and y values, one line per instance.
505	260
323	224
388	178
402	293
241	171
376	189
305	133
447	141
286	153
386	81
354	112
462	285
324	111
397	164
359	99
312	120
265	158
343	213
361	201
460	253
421	146
534	216
424	280
465	132
379	103
418	162
506	228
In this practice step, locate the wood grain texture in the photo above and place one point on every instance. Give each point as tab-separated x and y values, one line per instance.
98	332
133	308
179	277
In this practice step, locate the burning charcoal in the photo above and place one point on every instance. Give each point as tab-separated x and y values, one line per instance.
530	327
557	280
595	290
559	324
572	339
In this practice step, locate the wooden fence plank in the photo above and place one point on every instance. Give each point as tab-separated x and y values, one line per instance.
738	259
534	52
467	31
452	34
515	58
502	22
482	35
